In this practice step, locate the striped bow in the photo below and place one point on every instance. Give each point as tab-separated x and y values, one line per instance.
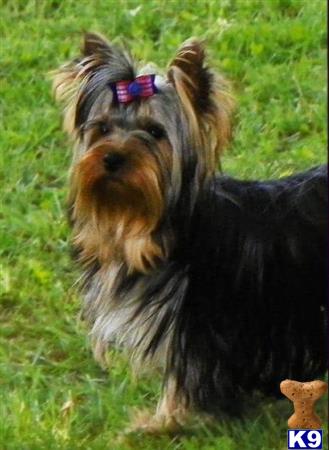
127	90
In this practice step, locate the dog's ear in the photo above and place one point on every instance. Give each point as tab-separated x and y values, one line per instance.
95	51
80	82
205	100
95	44
190	76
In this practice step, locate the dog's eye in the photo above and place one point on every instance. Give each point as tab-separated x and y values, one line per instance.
156	131
103	128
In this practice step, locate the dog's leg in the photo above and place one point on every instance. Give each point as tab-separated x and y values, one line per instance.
170	416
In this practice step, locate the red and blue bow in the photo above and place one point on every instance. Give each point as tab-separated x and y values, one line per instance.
127	90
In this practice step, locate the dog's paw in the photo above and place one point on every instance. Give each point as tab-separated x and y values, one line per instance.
145	422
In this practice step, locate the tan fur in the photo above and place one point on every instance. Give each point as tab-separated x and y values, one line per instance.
171	414
212	126
141	253
100	207
65	88
68	85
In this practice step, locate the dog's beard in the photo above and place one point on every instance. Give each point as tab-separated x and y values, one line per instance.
116	215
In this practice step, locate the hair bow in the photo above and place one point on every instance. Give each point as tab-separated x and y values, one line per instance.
127	90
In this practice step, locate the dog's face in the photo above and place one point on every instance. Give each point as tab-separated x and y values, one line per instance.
134	159
121	181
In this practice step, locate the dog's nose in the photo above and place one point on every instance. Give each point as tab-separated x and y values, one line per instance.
114	161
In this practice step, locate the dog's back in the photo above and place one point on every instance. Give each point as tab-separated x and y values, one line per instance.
255	305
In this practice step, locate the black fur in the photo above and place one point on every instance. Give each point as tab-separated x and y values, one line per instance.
254	311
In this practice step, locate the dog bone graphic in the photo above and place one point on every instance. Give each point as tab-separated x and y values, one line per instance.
304	396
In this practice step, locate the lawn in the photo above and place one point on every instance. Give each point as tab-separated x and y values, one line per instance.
53	395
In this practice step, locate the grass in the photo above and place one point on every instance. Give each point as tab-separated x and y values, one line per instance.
52	393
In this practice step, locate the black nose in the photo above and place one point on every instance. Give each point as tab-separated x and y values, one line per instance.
114	161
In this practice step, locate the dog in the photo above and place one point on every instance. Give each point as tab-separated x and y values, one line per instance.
219	283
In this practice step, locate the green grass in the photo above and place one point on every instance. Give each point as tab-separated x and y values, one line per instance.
52	393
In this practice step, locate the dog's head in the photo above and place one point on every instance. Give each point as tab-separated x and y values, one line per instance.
143	140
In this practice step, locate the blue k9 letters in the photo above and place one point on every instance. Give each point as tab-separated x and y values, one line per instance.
307	439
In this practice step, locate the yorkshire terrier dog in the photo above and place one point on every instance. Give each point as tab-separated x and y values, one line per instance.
217	282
